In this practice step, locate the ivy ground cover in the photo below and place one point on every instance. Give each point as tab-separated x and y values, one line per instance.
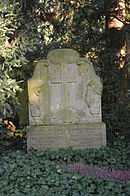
104	171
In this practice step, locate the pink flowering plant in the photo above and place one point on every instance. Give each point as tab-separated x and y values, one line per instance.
98	172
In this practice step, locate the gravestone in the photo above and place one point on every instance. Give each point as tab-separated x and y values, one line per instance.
65	103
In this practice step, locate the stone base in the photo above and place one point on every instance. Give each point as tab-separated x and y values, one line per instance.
68	135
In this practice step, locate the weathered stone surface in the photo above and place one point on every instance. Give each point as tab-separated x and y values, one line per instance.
64	89
62	136
65	103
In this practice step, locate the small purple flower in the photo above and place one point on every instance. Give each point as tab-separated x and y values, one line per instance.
99	172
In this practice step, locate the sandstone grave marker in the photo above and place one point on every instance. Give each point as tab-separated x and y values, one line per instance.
65	103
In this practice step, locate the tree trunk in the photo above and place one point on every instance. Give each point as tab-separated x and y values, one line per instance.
116	31
115	86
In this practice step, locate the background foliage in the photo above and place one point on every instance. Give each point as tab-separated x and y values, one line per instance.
29	29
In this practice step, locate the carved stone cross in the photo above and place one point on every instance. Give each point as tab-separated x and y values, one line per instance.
61	82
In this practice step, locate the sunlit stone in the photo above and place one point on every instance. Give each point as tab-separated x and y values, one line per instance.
64	90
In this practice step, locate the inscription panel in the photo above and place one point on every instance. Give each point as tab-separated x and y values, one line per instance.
55	137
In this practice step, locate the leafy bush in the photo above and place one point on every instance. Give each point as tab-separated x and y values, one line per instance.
39	173
29	29
10	136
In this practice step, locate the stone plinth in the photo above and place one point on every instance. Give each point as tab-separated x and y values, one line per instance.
64	136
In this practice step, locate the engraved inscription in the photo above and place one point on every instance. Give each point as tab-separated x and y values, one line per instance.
65	136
